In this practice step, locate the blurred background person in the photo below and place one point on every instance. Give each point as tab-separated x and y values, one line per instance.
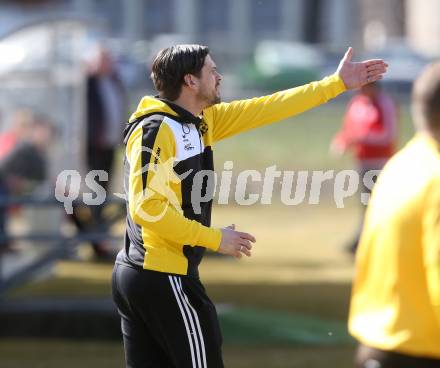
395	303
106	114
18	129
25	167
106	111
369	130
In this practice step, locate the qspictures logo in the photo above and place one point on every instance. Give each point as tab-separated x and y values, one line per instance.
152	188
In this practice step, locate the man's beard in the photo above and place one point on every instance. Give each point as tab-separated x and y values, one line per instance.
216	99
210	99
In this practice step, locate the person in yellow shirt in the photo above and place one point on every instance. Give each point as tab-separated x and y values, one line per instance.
167	318
395	302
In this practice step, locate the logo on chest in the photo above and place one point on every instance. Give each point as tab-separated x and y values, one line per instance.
187	144
187	137
188	147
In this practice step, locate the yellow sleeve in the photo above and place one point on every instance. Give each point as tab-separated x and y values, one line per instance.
153	200
431	245
232	118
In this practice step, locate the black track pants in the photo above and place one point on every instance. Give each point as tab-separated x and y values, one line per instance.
166	320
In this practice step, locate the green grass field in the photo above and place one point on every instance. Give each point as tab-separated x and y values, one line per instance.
71	354
298	266
294	269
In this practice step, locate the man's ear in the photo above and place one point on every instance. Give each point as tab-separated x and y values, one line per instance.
189	80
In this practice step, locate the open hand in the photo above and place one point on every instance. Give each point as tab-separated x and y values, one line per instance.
235	243
358	74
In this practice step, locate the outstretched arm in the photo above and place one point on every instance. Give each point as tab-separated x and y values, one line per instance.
232	118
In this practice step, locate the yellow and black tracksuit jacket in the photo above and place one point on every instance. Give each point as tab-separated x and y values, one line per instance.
166	150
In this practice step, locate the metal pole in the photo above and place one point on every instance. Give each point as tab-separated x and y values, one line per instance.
292	19
240	32
186	16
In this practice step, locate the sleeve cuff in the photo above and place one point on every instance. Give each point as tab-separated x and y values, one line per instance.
334	86
210	238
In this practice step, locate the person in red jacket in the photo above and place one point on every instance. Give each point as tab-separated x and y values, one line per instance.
369	130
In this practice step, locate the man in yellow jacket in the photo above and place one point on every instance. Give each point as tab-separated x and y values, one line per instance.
167	318
395	304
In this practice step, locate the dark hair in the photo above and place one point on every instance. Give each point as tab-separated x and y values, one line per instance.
172	64
426	98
